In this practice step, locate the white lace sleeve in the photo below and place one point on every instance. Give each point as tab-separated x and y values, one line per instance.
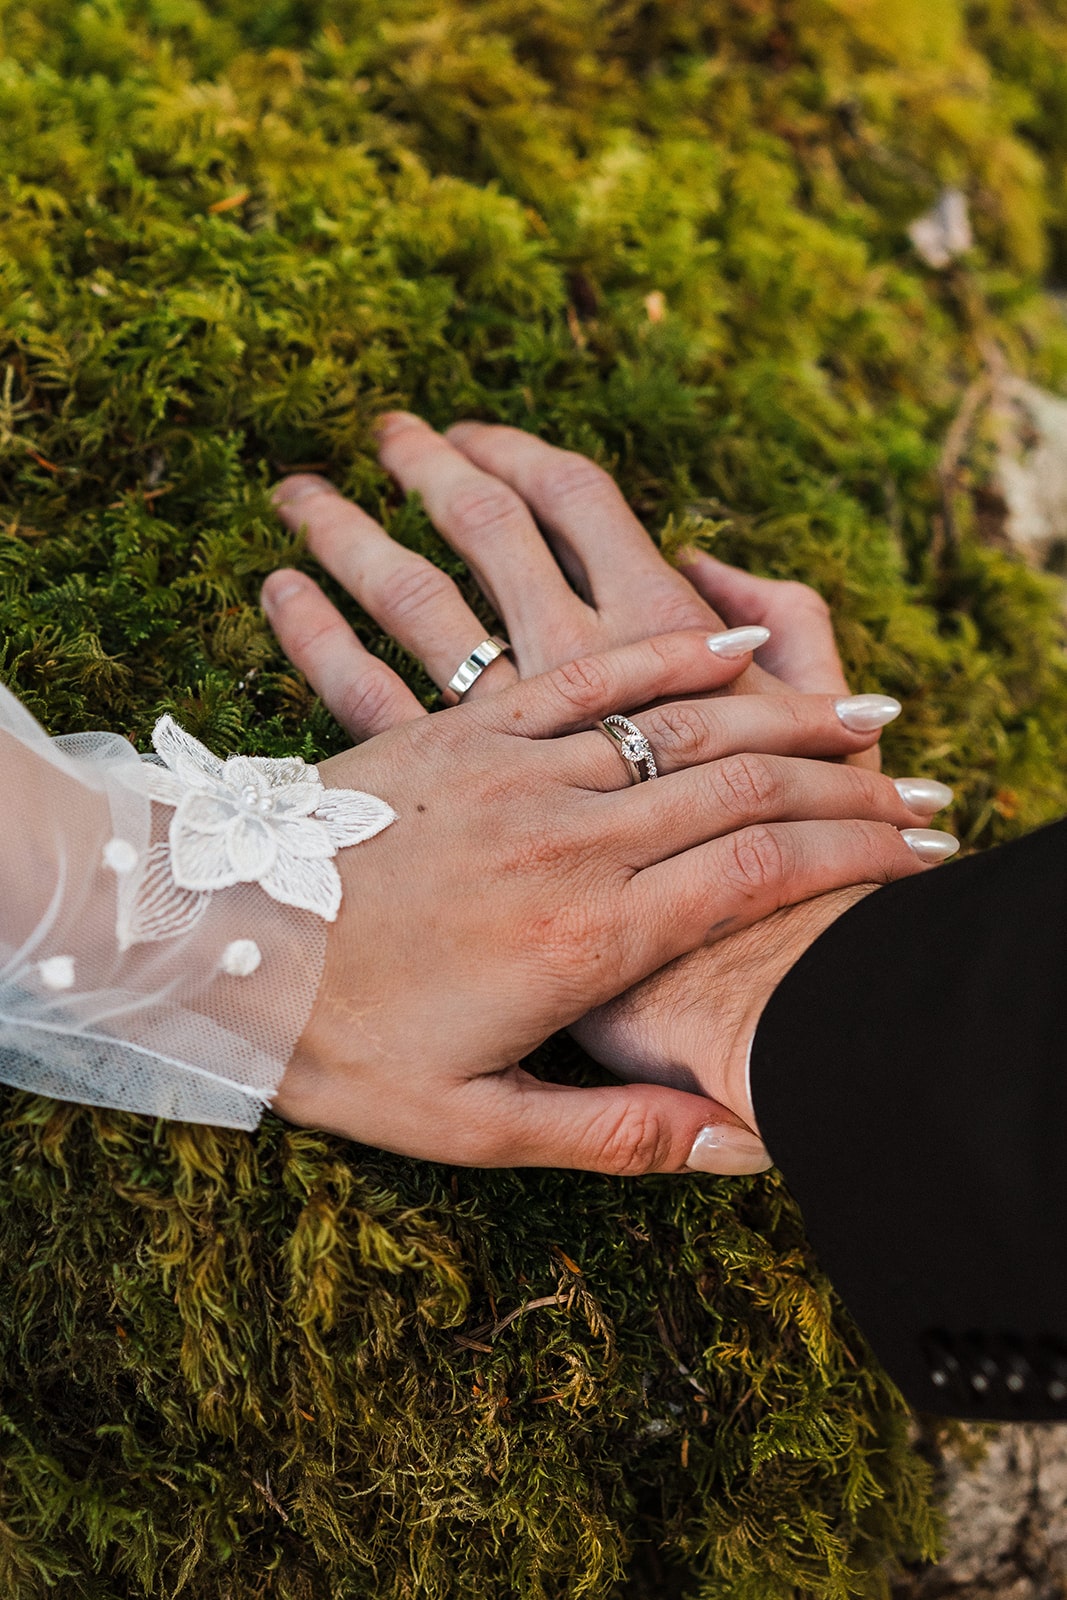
162	921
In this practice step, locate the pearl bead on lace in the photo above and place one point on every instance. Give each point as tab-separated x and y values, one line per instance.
120	856
241	957
57	972
255	800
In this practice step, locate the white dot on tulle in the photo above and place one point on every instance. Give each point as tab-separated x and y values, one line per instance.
120	856
241	958
57	972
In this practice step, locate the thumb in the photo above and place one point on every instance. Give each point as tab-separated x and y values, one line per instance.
626	1130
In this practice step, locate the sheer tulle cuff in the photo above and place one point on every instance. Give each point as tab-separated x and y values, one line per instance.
163	924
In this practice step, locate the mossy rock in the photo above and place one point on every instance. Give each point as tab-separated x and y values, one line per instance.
279	1365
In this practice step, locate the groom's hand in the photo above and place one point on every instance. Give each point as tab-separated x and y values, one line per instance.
566	565
691	1025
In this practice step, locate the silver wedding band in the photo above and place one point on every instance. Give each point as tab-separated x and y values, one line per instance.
632	745
469	671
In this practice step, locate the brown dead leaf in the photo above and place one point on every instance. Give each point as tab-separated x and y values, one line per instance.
231	202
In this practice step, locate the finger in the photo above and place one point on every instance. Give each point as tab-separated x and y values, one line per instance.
704	894
808	660
486	522
804	654
364	695
687	733
656	820
581	692
511	1119
627	1130
589	524
407	596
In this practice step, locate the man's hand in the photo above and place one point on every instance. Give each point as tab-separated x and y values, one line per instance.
567	566
691	1025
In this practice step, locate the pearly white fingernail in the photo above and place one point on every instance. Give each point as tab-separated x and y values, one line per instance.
738	641
862	713
930	844
724	1147
923	794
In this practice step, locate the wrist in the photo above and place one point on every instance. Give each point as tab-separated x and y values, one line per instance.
759	958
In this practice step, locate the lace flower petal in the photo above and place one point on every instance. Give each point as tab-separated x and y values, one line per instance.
159	783
199	861
305	838
205	813
187	757
353	816
252	846
280	772
161	910
311	885
293	793
298	799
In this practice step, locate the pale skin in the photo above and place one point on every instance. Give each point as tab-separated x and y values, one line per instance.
535	886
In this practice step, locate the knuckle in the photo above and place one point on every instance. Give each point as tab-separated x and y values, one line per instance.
665	648
885	854
802	597
747	785
583	685
412	589
756	860
798	717
873	794
318	638
484	507
682	732
365	702
571	478
632	1141
674	607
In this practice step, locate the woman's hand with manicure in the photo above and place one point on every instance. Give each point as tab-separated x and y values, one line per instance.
864	713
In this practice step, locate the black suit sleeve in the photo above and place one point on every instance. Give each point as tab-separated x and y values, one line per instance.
910	1079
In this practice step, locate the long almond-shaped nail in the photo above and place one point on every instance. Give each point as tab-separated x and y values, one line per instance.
862	713
738	642
724	1147
930	844
923	794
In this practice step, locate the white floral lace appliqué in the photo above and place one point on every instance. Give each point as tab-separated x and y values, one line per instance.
251	819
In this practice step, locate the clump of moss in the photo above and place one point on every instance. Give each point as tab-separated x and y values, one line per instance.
278	1365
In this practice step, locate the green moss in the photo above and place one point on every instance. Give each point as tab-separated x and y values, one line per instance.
277	1365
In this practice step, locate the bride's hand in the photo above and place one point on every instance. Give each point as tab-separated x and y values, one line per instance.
526	882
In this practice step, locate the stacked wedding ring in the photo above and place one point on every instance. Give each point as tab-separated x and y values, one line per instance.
471	670
632	746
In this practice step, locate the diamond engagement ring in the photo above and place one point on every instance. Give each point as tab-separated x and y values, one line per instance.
470	670
632	746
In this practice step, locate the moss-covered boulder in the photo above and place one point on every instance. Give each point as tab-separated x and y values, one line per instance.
673	234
